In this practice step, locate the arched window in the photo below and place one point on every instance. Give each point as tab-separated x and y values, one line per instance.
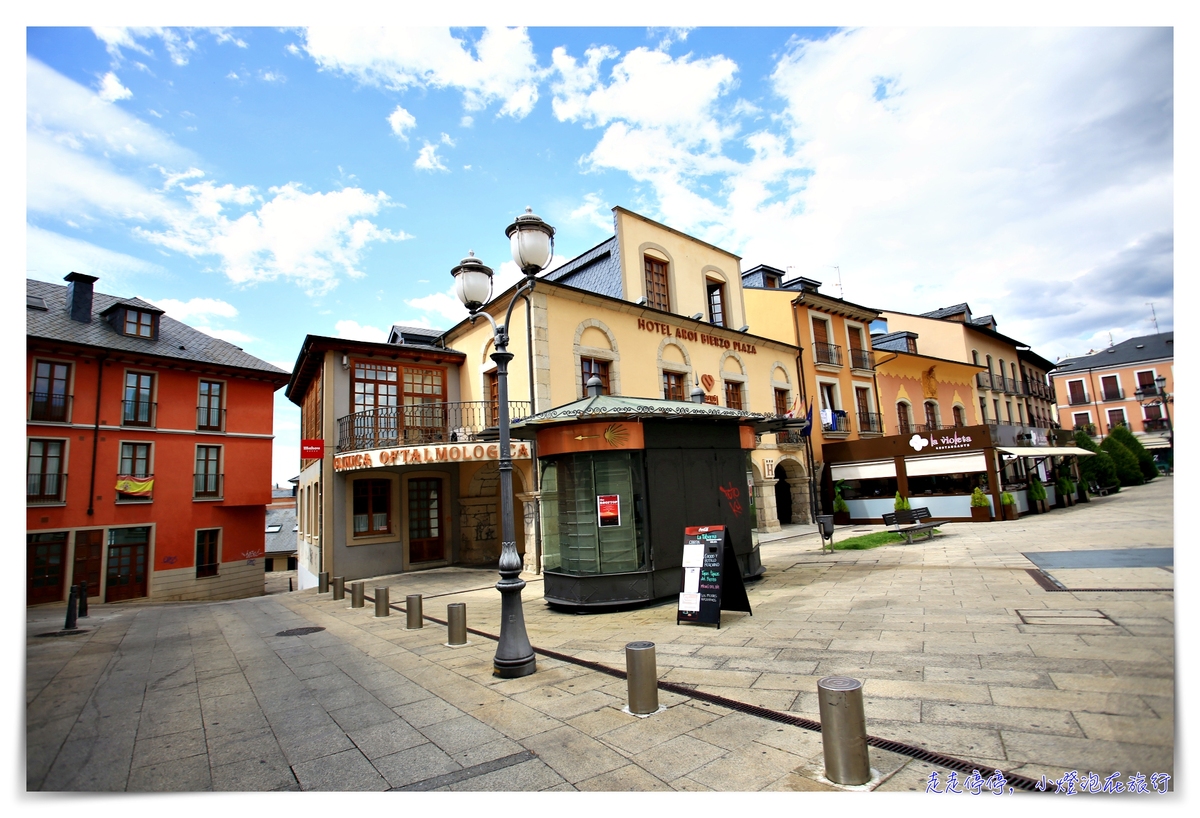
960	416
658	291
904	417
931	416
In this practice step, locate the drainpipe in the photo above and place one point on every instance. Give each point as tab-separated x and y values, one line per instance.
91	509
812	496
533	462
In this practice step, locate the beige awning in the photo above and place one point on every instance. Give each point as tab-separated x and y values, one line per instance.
864	470
959	463
1043	451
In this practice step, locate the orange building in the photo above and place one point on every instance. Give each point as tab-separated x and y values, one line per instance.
837	378
1098	392
148	453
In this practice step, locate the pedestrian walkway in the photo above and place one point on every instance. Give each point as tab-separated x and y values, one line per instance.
964	647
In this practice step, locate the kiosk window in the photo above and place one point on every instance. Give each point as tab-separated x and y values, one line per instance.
574	540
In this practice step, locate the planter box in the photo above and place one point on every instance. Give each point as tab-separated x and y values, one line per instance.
981	514
841	518
1009	512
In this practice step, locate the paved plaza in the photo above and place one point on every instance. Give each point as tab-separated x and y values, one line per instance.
965	646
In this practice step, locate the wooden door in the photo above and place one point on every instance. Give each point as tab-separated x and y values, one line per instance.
44	574
426	541
89	551
126	572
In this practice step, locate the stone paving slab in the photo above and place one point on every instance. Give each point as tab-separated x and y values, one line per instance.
960	651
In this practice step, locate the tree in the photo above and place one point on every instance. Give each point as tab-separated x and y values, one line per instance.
1145	460
1098	468
1128	471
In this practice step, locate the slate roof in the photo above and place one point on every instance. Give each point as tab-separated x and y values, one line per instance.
597	270
942	312
283	541
1142	348
414	336
175	340
892	341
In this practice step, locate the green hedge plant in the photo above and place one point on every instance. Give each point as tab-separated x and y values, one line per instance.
901	502
979	499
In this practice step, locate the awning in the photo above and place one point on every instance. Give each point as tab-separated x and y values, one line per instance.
864	470
964	463
1155	443
1043	451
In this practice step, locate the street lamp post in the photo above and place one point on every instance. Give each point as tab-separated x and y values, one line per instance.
1160	397
532	242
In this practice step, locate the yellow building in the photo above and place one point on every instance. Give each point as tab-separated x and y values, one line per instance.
651	312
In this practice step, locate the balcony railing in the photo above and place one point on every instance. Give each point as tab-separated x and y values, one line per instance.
209	419
827	354
138	413
1113	393
49	407
985	380
862	359
45	488
839	424
1089	428
208	486
1156	425
789	437
930	427
870	422
1012	386
1077	400
1112	425
420	424
1147	390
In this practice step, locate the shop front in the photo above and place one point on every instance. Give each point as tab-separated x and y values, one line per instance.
940	470
621	478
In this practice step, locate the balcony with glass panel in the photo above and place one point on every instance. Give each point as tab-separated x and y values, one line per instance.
49	407
420	424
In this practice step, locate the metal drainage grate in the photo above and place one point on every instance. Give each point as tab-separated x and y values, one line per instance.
300	631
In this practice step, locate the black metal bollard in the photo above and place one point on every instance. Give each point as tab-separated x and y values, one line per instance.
83	599
323	582
357	595
72	602
339	587
412	605
382	606
456	624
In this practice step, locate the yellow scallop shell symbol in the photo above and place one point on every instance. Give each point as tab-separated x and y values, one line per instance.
616	435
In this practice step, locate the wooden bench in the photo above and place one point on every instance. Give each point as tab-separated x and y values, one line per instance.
909	521
1094	488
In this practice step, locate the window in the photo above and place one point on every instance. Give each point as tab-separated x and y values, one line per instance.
423	397
372	507
716	303
931	416
138	410
673	384
823	351
274	528
1110	387
139	324
208	473
1116	417
134	479
904	417
733	395
1145	382
425	541
44	472
1082	419
829	400
1076	393
782	403
493	390
975	357
209	412
207	557
1008	410
989	364
983	410
771	282
50	398
658	294
593	367
960	416
996	406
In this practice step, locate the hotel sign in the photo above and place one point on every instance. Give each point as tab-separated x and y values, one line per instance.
419	455
659	328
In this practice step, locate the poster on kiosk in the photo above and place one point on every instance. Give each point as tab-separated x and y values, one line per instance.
711	581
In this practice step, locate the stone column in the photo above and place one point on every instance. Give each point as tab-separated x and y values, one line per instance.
800	499
764	503
533	549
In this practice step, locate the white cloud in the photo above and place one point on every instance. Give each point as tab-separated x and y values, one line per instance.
49	256
195	308
594	211
271	76
359	332
503	68
111	88
178	42
444	304
428	159
402	122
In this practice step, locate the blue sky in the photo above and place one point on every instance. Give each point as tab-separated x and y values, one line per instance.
263	183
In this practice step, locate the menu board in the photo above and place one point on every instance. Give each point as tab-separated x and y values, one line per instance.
711	579
608	510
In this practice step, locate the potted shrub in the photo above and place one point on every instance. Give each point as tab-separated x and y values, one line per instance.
1066	492
1008	506
841	511
981	511
1037	495
901	502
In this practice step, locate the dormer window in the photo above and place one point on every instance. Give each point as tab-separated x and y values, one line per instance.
139	324
771	282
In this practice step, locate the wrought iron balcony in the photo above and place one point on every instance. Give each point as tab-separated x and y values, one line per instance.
209	419
208	486
789	437
49	407
1088	428
862	359
1077	400
423	423
827	354
45	488
1012	386
1156	425
870	422
926	428
138	413
1148	390
986	380
1113	393
839	425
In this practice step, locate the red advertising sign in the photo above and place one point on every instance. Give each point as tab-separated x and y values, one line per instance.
312	449
608	507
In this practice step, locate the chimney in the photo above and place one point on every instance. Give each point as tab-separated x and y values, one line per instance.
79	296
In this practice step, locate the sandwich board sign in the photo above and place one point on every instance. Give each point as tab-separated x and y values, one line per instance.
711	581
